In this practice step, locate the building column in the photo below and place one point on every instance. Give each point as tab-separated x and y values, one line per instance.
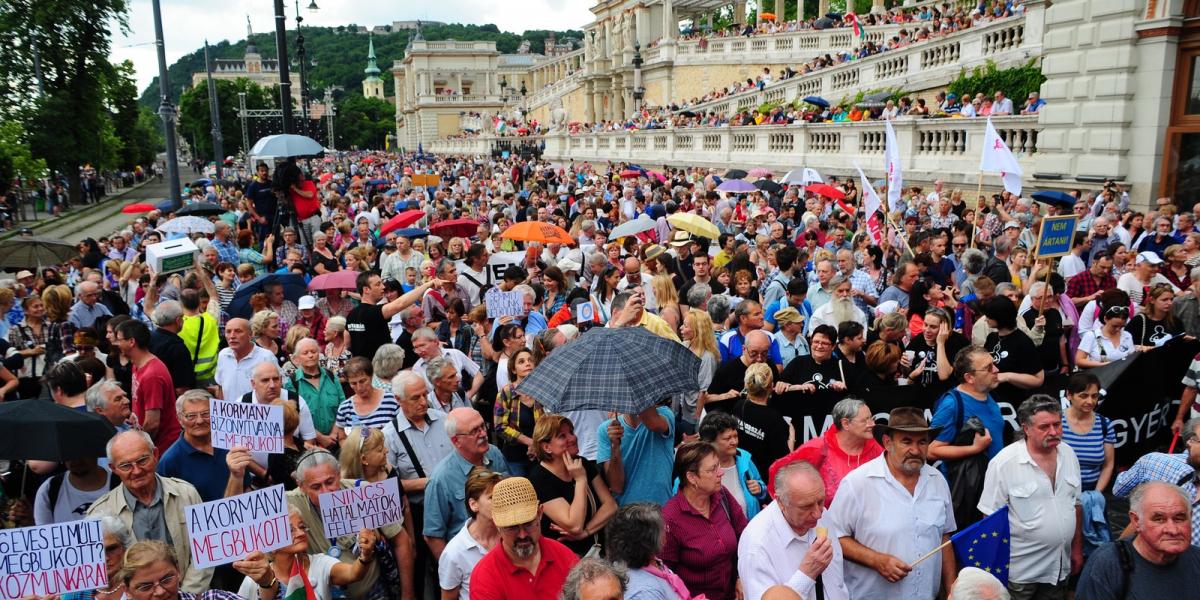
739	13
877	7
822	8
589	93
641	26
618	98
670	25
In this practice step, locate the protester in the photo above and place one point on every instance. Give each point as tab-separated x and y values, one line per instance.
635	539
576	502
740	477
847	445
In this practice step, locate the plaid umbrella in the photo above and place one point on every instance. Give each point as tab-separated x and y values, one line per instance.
625	370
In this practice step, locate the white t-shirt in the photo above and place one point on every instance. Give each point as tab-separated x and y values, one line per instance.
1099	348
1130	284
72	503
1070	266
459	558
319	568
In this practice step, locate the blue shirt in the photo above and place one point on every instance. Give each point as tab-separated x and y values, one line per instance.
805	310
731	342
1089	447
987	411
445	494
207	472
647	457
227	252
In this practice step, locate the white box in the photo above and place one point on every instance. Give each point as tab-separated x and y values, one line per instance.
172	256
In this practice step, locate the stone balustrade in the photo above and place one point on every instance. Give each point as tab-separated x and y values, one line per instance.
775	48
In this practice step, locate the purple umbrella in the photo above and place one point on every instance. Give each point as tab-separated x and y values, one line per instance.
736	186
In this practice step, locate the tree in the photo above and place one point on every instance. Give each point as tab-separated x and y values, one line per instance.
15	158
195	120
121	91
364	122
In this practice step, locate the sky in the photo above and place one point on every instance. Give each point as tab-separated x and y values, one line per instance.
186	23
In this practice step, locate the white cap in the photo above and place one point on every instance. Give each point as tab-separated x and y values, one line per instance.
306	302
1149	257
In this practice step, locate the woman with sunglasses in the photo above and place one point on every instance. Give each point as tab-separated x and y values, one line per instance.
1156	322
1108	342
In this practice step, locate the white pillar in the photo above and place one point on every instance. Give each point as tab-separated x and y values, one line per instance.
877	7
670	22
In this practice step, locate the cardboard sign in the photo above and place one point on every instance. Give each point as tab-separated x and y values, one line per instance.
52	559
258	427
366	506
504	304
228	529
1056	236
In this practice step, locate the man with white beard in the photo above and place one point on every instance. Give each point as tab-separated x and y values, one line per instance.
840	307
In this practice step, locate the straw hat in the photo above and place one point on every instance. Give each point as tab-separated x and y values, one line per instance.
514	502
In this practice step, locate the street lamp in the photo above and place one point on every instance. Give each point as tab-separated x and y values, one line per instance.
285	78
312	7
166	110
638	91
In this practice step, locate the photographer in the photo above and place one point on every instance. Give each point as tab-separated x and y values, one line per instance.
302	206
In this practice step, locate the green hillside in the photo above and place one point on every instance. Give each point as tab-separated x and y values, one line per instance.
341	55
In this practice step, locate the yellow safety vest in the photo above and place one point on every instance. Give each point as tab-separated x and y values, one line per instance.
202	336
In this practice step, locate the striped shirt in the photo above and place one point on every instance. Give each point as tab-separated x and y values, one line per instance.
1089	447
347	417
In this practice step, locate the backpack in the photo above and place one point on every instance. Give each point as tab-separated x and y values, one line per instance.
56	483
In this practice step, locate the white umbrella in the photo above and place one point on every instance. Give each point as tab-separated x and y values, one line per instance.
187	225
286	146
631	228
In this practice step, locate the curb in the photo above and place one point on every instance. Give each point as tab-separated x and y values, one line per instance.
79	215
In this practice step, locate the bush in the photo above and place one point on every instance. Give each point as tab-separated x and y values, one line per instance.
1015	82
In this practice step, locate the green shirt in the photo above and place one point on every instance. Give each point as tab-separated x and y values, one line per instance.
323	399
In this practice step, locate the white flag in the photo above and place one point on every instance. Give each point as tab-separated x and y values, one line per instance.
871	201
812	176
997	157
891	165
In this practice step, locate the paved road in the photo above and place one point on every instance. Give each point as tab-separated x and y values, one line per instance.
105	220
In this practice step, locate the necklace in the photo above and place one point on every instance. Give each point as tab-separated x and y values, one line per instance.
107	591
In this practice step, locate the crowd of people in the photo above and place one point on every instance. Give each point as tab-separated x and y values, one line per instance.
717	493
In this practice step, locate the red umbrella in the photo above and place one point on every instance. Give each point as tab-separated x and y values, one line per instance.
455	228
338	280
132	209
826	190
325	177
630	174
401	221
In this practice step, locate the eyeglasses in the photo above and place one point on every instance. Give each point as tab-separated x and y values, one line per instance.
166	583
526	527
197	416
141	463
988	368
476	431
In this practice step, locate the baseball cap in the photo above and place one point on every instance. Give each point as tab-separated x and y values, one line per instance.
1148	256
514	502
306	302
1012	225
24	274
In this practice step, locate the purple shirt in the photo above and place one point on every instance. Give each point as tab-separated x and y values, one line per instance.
702	550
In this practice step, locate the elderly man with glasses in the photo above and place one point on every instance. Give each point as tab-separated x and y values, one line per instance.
192	457
151	506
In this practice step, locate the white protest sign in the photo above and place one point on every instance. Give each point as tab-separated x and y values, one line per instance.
228	529
366	506
258	427
52	560
585	313
498	263
504	304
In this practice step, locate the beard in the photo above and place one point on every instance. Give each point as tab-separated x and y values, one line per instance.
524	548
841	309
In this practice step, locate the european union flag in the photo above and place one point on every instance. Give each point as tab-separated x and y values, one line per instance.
985	545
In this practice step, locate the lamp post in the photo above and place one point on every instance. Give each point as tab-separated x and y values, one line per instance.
638	91
166	110
304	124
285	78
214	114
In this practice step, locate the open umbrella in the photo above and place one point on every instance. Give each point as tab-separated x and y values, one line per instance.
187	225
1054	198
767	16
411	232
826	190
325	177
202	182
34	251
37	430
694	224
201	209
631	174
287	146
793	177
401	220
687	113
759	172
736	186
735	174
817	101
768	185
133	209
659	176
455	228
337	280
632	228
624	370
293	288
536	231
164	205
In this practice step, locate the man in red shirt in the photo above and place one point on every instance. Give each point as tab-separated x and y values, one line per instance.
153	390
525	566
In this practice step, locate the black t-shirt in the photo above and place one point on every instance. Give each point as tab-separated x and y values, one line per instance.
731	375
922	350
1013	353
803	369
762	432
1053	332
264	199
1151	332
549	487
404	340
368	330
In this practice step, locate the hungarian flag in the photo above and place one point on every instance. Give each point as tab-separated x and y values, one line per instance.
298	587
859	32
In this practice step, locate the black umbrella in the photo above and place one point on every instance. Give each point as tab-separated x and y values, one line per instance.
293	288
735	174
768	185
40	430
201	209
34	251
687	113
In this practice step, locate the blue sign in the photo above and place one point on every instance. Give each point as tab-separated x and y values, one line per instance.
1056	236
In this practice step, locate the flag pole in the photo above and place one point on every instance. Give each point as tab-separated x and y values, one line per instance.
931	553
978	208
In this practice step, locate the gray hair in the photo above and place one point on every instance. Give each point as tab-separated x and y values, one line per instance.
597	258
1004	286
846	408
635	534
1004	245
425	333
167	313
388	361
403	378
434	368
619	300
1038	289
592	569
700	293
838	279
336	323
191	397
1035	404
973	260
1189	430
115	527
977	584
1195	274
527	290
96	397
718	309
113	440
1138	496
785	474
312	460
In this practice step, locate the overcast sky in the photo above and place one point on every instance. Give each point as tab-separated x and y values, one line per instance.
186	23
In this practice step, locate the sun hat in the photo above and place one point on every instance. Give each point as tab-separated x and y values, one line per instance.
907	419
514	502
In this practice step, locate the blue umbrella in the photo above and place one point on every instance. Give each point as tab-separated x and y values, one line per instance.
164	205
410	232
736	186
625	370
1055	198
392	192
817	100
293	288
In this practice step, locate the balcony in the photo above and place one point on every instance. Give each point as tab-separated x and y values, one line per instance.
777	47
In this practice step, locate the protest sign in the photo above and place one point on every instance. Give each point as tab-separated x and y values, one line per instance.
52	560
585	313
504	304
366	506
228	529
498	263
1056	236
257	427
